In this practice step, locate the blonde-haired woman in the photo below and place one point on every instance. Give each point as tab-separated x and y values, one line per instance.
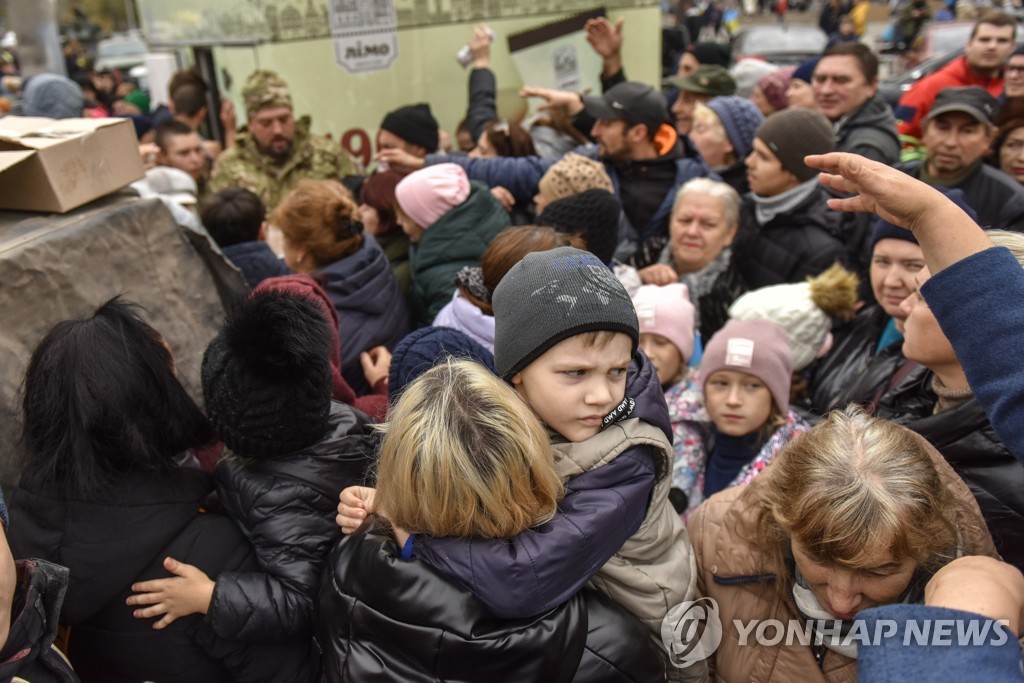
323	238
856	513
463	456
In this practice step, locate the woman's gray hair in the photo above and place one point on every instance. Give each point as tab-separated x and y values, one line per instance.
713	188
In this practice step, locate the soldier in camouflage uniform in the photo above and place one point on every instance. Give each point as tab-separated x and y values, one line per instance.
273	152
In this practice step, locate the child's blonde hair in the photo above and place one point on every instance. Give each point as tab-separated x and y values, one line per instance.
465	456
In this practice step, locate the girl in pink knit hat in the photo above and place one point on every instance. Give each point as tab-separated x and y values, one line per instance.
737	411
450	220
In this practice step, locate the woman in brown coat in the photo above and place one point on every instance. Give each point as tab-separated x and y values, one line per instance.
856	513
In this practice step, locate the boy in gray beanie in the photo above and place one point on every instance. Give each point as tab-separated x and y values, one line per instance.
566	336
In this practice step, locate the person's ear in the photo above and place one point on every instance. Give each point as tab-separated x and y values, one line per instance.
517	380
261	236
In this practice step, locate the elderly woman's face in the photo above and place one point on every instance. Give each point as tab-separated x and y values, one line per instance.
699	232
845	591
923	340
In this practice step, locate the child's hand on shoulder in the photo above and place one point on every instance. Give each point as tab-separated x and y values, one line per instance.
190	591
356	503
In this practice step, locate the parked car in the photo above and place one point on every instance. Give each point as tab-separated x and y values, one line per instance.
782	44
893	87
121	52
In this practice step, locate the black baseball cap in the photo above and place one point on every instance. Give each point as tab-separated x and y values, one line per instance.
632	102
972	100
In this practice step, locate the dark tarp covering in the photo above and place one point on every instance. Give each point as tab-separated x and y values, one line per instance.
55	267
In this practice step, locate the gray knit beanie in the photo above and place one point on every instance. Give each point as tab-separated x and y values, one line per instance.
792	134
550	296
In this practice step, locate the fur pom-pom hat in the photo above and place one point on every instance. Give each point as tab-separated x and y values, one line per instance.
267	378
805	310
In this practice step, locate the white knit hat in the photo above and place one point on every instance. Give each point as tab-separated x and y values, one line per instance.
804	310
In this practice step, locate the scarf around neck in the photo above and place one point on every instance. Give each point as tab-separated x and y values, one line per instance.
767	208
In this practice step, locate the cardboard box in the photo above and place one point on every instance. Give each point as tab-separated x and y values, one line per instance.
50	165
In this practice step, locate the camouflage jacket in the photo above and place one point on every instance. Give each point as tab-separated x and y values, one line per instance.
243	165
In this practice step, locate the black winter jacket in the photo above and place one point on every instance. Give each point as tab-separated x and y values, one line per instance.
854	347
110	542
870	131
997	198
386	619
889	384
286	507
791	246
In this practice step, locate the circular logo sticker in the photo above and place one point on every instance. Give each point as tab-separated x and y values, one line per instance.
691	631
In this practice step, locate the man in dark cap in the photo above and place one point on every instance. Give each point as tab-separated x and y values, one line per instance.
273	152
646	159
957	133
412	129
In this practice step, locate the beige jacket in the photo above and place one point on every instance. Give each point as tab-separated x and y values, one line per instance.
721	531
654	570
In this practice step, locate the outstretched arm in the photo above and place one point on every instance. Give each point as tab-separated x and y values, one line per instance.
482	84
606	39
945	232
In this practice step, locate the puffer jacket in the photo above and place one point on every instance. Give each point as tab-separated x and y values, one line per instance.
854	345
889	384
370	305
382	618
286	506
734	572
110	542
870	131
966	439
456	240
791	246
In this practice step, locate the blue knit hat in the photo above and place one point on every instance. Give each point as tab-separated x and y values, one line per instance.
885	230
805	72
740	117
423	349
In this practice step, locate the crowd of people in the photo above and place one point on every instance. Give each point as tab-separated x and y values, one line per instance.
499	412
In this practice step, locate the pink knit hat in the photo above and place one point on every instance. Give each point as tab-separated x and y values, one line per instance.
666	310
431	192
774	83
756	347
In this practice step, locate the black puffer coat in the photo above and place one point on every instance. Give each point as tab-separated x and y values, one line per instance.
286	508
791	246
889	384
855	345
966	439
111	541
386	619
